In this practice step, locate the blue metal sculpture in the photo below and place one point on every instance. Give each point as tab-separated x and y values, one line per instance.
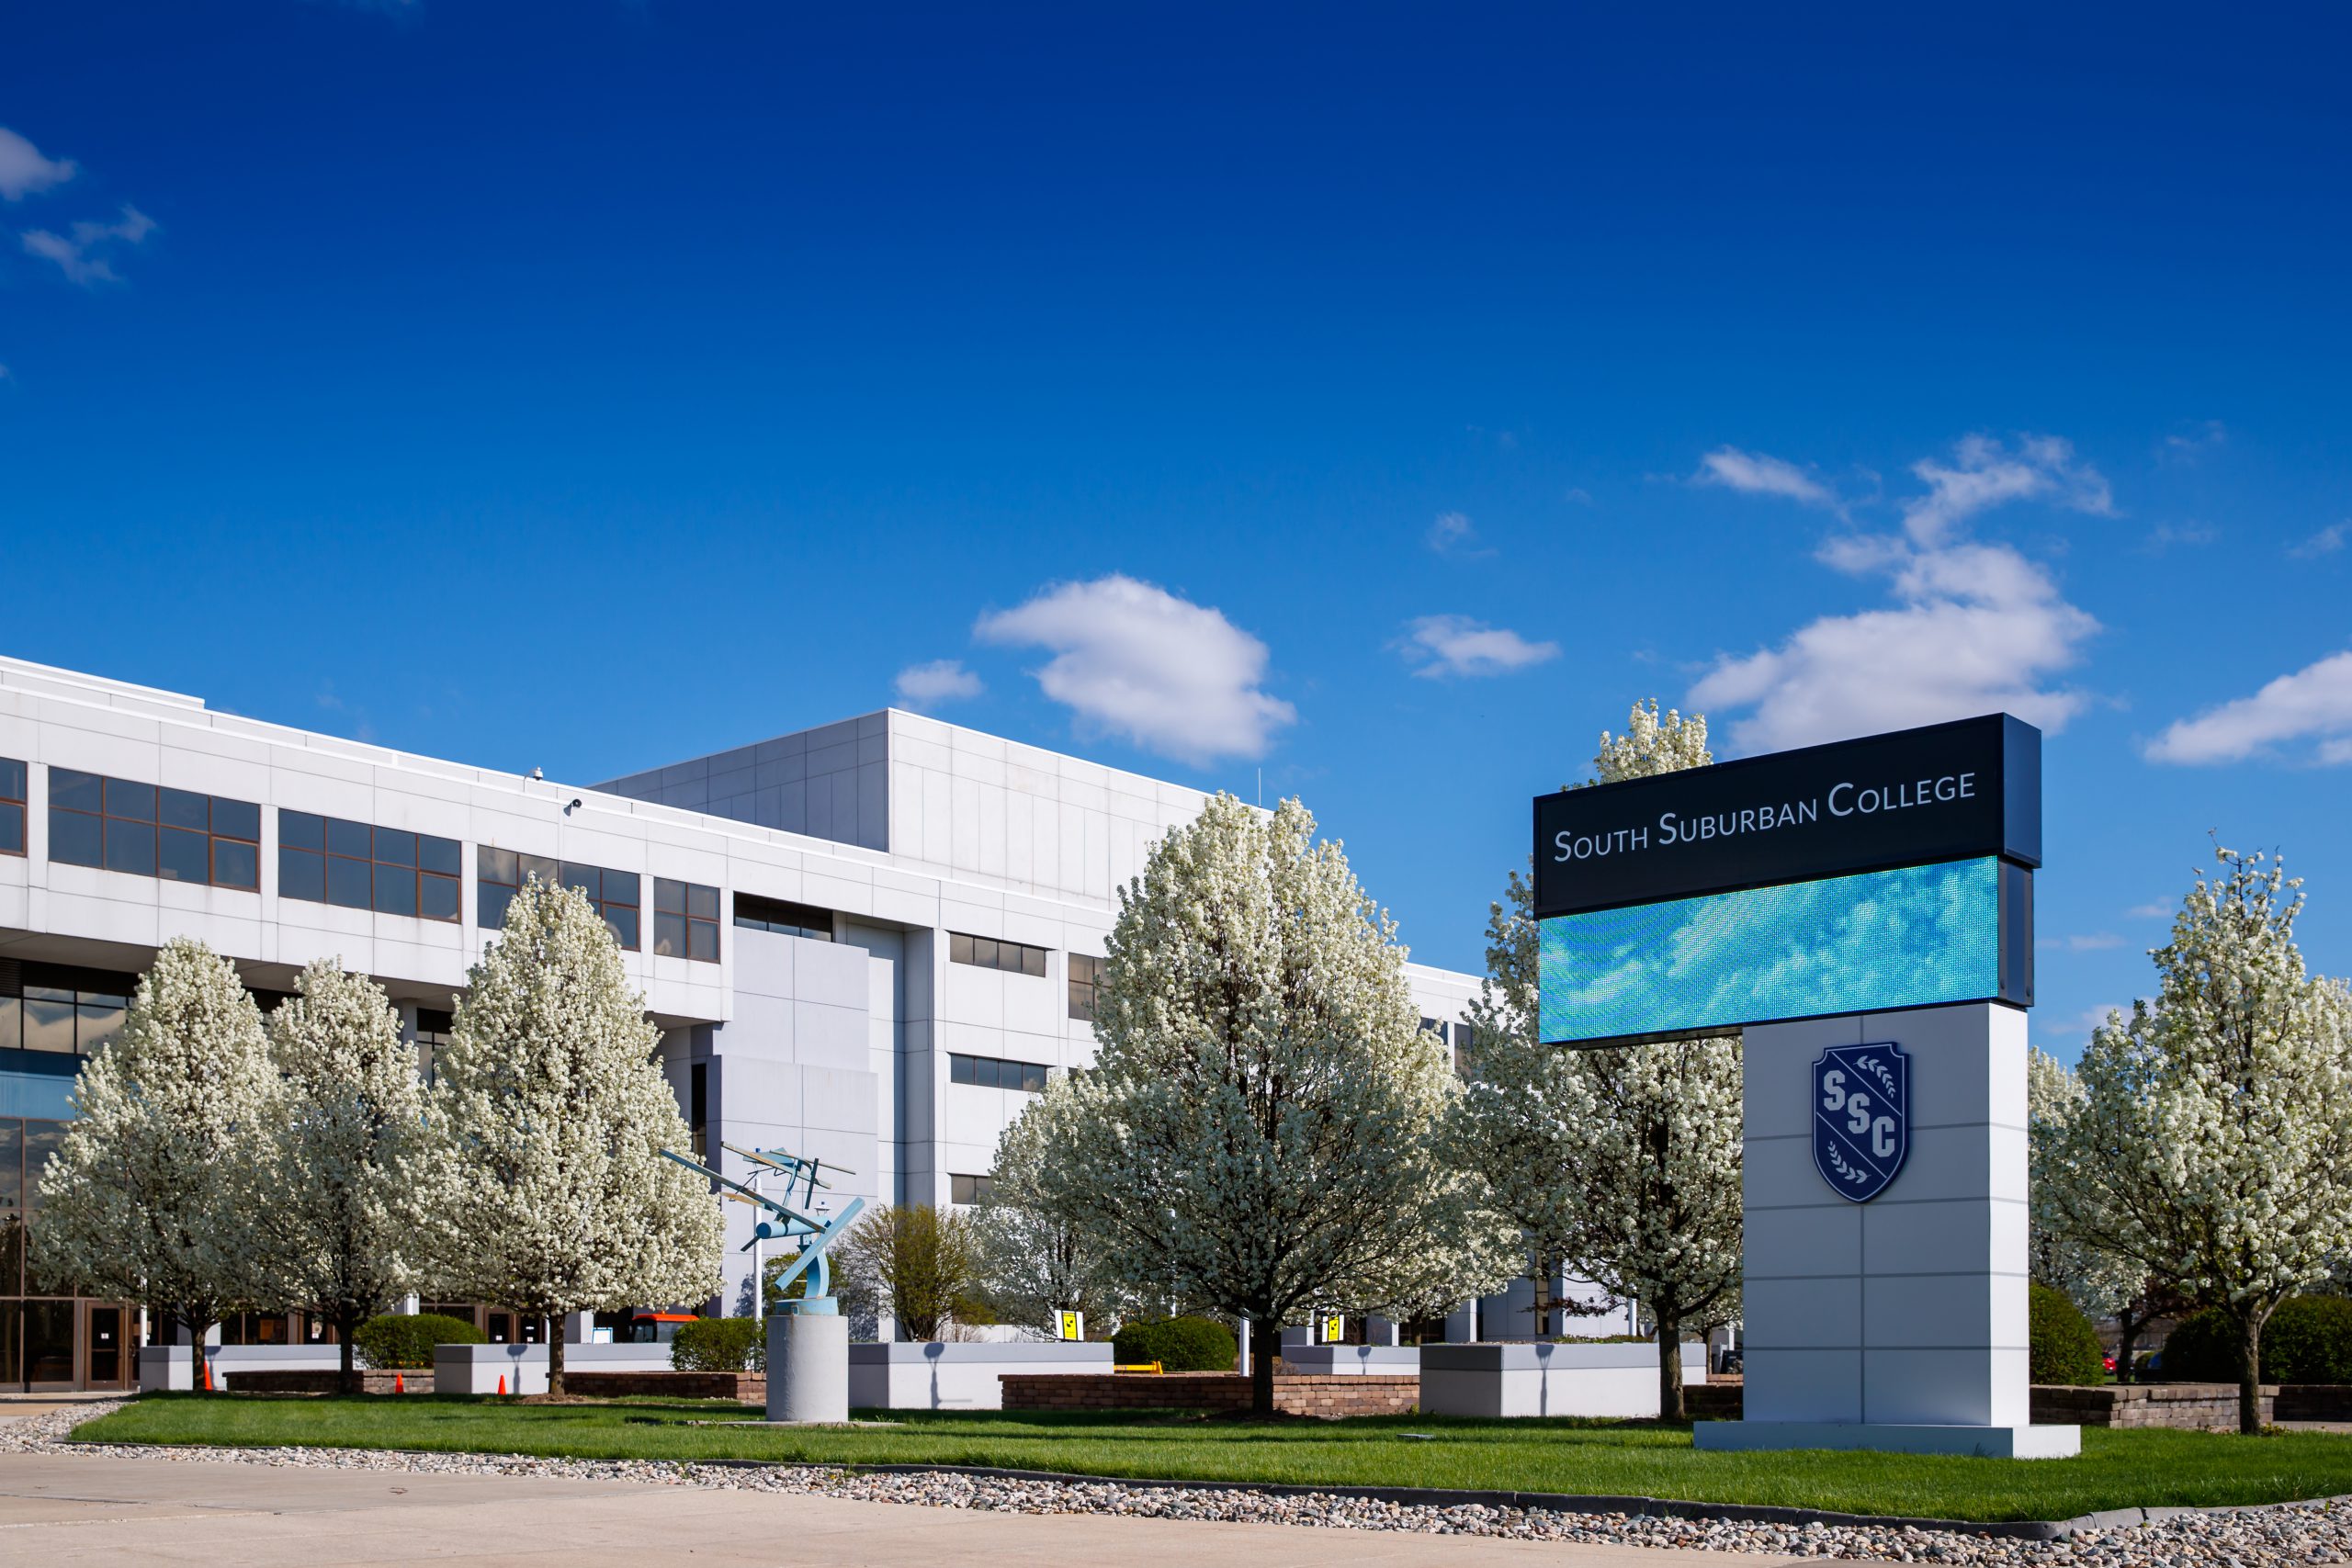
793	1218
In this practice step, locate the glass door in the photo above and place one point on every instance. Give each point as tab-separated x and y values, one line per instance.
49	1346
105	1334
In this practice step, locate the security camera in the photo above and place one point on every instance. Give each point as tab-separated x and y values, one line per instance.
538	773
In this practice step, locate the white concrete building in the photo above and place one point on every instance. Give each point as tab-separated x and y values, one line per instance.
868	942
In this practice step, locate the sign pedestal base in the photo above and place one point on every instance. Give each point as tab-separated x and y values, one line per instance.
1986	1442
1900	1323
809	1363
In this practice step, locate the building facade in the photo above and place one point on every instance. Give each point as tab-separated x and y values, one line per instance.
869	943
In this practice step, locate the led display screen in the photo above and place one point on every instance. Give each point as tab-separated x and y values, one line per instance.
1921	936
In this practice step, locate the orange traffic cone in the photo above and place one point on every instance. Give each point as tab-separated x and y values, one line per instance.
502	1385
400	1384
207	1377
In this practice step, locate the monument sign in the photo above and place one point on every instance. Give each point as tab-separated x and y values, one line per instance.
1862	913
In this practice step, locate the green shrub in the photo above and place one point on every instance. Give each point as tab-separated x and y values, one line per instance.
2307	1339
404	1341
2065	1348
1178	1344
721	1344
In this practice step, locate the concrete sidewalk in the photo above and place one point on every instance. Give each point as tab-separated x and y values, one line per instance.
59	1510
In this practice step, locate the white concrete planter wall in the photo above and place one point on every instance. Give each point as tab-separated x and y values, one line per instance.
958	1375
1383	1360
173	1367
1548	1380
476	1369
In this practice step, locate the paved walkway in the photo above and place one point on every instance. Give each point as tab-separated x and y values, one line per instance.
60	1510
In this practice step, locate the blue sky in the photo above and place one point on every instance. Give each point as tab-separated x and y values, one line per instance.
1381	398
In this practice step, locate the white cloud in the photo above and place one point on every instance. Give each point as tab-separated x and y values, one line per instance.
2327	542
2073	1032
926	686
73	254
2314	704
24	171
2093	941
2156	909
2164	535
2198	438
1132	659
1456	645
1975	629
1754	473
1454	534
1984	473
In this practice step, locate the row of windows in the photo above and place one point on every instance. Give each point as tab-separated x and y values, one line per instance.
987	952
12	806
784	917
59	1011
326	859
143	830
991	1072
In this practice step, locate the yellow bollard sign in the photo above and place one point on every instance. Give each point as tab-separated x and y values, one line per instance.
1069	1325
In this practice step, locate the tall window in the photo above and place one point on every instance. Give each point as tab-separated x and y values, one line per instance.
784	917
1085	976
431	1033
987	952
685	920
12	806
618	895
326	859
142	830
992	1072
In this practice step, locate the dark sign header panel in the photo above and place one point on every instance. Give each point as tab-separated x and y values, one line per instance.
1947	792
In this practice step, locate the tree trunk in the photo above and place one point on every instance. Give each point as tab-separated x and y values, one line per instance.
1543	1298
555	1359
1265	1344
1670	1369
2128	1328
198	1360
2250	1373
349	1381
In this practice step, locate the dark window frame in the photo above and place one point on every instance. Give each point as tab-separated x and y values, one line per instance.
781	916
332	842
694	932
992	1072
969	1191
16	807
1086	964
132	844
1000	954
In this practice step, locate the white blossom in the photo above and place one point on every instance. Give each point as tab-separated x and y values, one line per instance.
1255	1137
2213	1136
556	1117
350	1176
1036	1261
150	1196
1622	1162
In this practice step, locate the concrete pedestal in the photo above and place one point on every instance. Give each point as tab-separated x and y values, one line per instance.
808	1366
1898	1324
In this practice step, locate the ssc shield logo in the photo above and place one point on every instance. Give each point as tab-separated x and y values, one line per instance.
1862	1117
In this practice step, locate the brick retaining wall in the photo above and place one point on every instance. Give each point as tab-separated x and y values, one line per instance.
2186	1407
2314	1402
745	1388
1295	1393
325	1383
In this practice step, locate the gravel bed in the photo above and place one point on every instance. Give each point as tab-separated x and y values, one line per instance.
2252	1538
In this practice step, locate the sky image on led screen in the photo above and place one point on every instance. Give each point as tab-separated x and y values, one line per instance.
1915	937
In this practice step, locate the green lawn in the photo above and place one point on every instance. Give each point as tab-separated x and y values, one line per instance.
2118	1469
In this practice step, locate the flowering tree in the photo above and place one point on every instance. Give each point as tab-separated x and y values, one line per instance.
1035	1262
1623	1162
555	1117
352	1174
1255	1138
2217	1119
2066	1186
150	1196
